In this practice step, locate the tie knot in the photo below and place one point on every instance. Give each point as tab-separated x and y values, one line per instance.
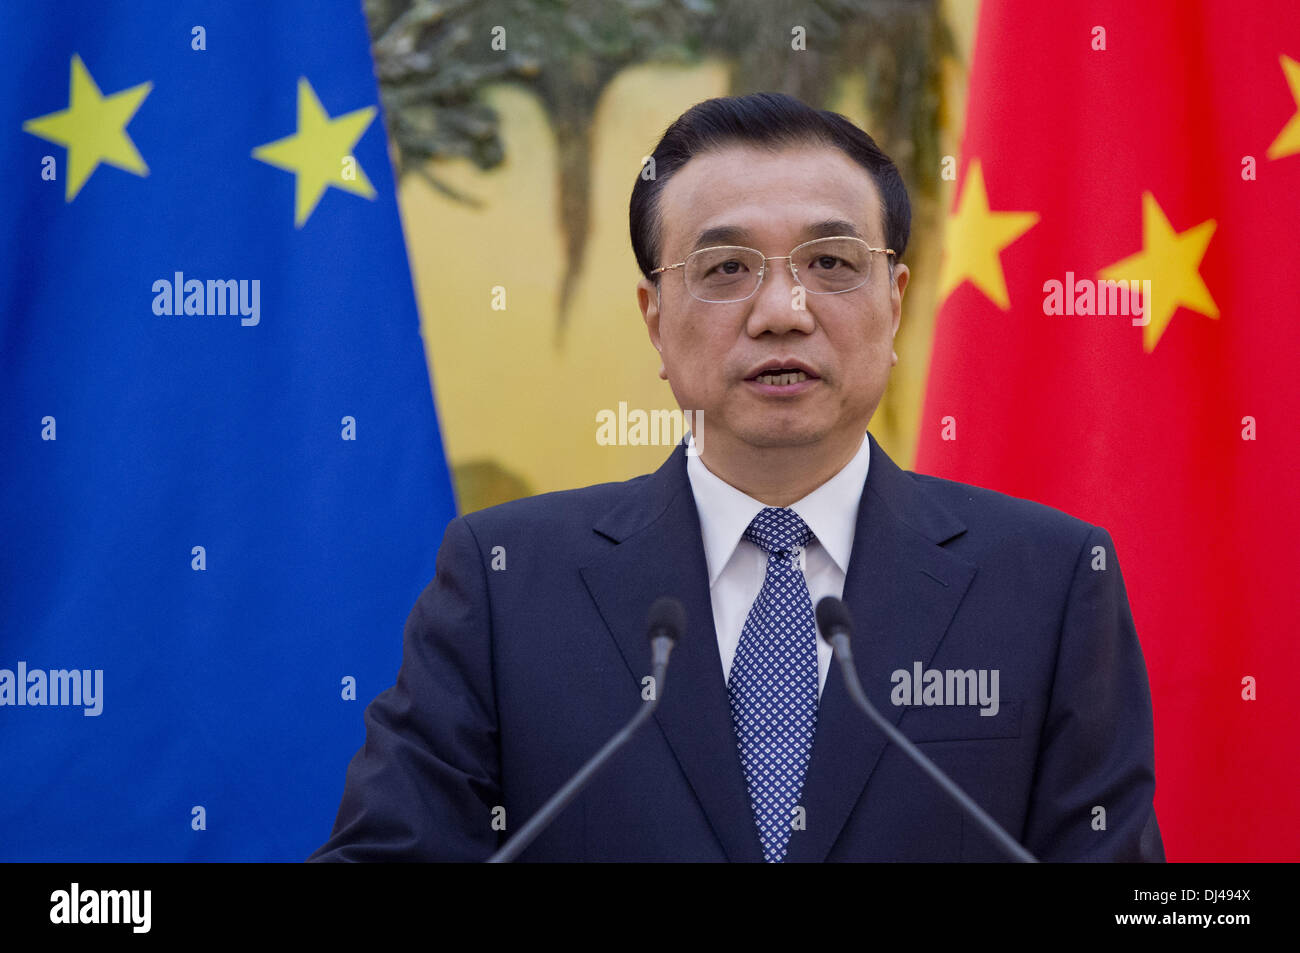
778	530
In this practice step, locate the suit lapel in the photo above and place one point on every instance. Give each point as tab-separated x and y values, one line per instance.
901	590
660	552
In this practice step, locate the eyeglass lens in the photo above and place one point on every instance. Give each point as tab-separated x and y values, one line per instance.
824	266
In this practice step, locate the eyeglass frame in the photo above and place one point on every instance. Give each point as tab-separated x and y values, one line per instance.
794	272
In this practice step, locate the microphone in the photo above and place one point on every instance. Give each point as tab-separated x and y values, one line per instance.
665	623
834	623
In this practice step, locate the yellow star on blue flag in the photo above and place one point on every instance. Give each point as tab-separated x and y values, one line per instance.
320	153
93	128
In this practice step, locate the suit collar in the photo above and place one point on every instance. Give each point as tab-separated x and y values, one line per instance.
899	492
901	589
830	510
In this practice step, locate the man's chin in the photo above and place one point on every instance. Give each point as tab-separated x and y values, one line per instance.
775	437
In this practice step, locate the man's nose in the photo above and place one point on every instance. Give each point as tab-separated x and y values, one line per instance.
780	303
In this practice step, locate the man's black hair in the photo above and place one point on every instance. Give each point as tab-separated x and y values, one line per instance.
771	120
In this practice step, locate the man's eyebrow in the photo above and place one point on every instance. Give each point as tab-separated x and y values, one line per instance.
736	235
721	235
832	226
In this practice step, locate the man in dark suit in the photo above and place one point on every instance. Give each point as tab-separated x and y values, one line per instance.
994	632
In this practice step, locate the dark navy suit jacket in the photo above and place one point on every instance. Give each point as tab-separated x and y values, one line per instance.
527	650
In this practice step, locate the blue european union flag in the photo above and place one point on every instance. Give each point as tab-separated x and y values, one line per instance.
222	483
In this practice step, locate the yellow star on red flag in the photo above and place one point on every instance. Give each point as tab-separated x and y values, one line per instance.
1171	261
1287	142
975	239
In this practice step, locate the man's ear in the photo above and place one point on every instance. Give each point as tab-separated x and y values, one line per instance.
901	275
647	299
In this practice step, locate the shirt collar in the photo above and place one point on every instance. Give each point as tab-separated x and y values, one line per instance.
831	510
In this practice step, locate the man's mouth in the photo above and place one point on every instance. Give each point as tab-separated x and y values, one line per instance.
783	381
781	378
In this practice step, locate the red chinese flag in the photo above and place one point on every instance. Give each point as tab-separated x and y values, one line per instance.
1155	142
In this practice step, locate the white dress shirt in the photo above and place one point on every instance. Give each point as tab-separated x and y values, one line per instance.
737	567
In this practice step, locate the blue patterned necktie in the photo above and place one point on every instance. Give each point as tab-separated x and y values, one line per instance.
773	684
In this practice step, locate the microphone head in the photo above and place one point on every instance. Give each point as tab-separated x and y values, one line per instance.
667	617
833	617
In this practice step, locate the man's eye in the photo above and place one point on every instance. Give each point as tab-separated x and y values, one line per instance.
731	267
826	262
